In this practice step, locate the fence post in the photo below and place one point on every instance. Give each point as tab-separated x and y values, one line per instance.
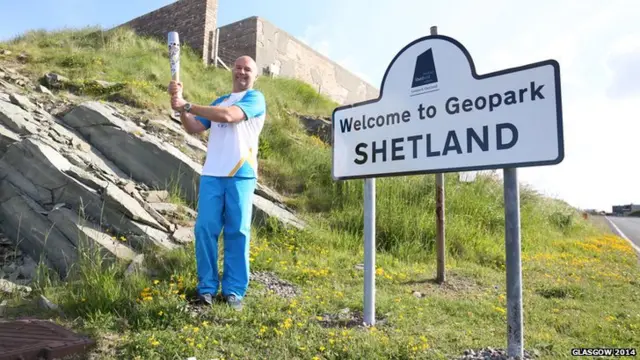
440	275
215	48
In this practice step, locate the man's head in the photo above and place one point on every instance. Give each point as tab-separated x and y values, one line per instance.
244	73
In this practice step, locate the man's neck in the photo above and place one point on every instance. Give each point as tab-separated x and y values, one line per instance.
237	91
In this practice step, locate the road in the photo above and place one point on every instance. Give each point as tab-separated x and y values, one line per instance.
627	227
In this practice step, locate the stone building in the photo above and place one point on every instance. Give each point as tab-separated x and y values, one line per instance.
194	20
276	52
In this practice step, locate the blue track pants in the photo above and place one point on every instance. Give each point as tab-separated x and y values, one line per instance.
224	203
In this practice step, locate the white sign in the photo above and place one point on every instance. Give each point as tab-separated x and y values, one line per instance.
435	114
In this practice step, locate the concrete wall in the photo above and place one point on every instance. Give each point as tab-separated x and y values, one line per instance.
290	57
274	50
284	55
194	20
237	39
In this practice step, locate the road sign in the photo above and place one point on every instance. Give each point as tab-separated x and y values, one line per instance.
436	114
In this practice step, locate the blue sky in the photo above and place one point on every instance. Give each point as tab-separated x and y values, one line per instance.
596	42
54	14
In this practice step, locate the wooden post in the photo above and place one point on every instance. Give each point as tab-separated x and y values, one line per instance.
216	48
440	275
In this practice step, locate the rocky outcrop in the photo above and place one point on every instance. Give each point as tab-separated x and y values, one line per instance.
264	209
317	126
86	177
147	159
15	265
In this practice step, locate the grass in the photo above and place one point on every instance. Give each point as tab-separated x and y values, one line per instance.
140	67
580	283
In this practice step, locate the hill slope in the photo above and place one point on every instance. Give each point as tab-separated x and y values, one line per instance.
571	269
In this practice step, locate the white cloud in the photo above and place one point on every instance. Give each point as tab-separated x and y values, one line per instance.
350	64
596	43
623	61
314	39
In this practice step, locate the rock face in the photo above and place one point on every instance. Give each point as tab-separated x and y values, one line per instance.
92	179
144	157
16	266
319	127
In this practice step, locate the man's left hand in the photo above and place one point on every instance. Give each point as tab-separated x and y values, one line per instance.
177	103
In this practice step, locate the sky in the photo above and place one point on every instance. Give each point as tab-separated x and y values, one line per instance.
597	44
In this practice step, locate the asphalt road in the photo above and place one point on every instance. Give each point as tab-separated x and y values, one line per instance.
627	227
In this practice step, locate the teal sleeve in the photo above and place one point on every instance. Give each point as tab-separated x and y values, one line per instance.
207	122
252	104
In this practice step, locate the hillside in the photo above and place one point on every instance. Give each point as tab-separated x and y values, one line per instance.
90	156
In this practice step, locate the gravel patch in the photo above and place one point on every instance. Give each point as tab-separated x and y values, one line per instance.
276	285
455	284
346	318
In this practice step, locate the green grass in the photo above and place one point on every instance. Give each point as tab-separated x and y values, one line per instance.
141	67
580	285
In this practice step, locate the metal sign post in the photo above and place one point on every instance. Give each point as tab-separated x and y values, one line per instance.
369	251
513	262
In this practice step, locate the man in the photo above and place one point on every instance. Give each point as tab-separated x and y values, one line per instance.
228	180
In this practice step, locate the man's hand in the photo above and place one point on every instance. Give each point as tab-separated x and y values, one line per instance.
175	88
177	102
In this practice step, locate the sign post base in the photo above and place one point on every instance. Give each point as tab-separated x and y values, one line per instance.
369	251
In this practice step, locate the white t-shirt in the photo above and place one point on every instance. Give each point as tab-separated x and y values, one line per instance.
232	150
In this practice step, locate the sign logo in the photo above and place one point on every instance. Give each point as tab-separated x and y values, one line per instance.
425	77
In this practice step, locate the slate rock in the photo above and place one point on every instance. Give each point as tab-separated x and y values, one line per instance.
148	160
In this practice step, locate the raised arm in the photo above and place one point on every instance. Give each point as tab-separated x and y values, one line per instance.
251	105
198	118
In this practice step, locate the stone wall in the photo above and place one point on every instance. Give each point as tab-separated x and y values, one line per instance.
194	20
292	58
237	39
275	51
280	53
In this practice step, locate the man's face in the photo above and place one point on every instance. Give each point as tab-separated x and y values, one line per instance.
244	74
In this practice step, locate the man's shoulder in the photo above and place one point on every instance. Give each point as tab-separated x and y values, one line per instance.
254	95
220	99
253	103
255	92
